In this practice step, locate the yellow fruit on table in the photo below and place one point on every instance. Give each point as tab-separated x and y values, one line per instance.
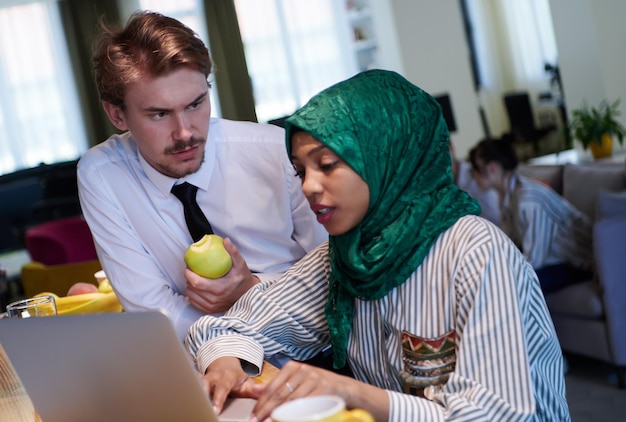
86	303
208	258
357	415
105	286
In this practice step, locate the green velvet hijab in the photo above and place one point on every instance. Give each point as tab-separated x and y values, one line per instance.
394	136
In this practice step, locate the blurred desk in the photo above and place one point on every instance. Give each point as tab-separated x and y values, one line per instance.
570	156
575	156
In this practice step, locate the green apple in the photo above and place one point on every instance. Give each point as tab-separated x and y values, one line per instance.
208	258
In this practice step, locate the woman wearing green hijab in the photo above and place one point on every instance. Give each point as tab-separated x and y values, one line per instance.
435	311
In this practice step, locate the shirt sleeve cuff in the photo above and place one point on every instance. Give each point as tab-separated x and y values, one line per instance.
243	348
263	277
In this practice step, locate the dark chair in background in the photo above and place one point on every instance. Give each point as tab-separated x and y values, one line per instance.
446	108
35	195
522	120
54	208
17	196
59	191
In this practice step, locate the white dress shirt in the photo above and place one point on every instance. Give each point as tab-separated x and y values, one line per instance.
247	190
547	229
473	282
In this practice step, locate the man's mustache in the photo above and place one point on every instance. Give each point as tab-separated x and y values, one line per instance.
183	145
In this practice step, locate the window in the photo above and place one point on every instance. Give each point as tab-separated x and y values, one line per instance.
294	49
189	12
519	33
40	119
514	40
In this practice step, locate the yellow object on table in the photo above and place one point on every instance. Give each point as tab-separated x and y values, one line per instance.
86	303
268	372
102	300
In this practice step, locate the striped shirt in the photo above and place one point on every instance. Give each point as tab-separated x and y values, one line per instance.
545	226
474	282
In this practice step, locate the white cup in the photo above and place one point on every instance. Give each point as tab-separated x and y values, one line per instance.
100	276
37	306
318	409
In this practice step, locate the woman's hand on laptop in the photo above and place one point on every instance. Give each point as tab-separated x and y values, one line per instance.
225	377
216	296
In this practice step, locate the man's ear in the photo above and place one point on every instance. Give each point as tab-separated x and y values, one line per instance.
116	115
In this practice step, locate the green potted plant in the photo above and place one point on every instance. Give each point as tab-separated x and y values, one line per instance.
595	127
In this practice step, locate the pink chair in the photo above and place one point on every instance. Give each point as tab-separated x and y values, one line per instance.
62	241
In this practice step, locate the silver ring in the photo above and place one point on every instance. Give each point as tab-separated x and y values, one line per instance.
289	387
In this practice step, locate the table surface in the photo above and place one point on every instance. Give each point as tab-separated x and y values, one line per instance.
576	156
15	405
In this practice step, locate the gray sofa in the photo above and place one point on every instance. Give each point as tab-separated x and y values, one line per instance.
590	317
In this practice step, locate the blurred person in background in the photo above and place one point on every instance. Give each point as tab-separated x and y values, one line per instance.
488	199
552	234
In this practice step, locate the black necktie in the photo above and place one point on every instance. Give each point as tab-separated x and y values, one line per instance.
197	223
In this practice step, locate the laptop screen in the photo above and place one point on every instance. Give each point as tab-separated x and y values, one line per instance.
107	367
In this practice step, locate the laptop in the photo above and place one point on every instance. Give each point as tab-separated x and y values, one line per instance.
110	367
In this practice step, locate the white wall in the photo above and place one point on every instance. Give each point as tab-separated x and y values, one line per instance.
424	41
389	56
591	40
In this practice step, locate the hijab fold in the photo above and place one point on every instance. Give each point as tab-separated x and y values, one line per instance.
394	136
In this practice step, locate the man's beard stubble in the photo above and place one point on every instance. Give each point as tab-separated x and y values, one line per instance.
177	147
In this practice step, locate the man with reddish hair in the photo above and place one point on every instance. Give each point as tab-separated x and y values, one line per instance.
152	79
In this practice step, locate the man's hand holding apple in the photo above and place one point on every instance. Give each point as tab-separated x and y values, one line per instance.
217	295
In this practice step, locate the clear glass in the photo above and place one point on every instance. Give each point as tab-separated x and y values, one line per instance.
33	307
